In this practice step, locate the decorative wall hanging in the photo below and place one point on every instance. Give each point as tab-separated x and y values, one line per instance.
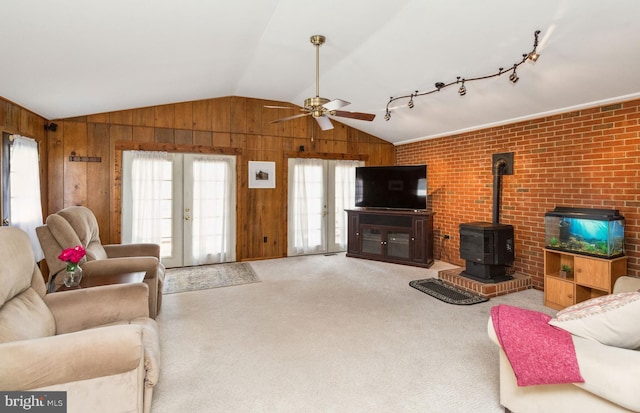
262	174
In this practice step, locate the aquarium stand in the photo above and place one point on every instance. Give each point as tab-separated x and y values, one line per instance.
590	277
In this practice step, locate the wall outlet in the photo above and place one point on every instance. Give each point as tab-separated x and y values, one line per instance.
264	239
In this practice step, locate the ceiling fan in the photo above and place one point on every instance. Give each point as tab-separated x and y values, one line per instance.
320	108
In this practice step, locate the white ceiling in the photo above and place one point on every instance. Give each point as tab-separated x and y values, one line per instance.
77	57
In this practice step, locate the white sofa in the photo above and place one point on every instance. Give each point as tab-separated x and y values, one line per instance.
611	374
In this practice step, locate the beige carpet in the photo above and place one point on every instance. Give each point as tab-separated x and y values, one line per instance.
207	276
324	334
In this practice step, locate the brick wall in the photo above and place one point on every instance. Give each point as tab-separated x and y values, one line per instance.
587	158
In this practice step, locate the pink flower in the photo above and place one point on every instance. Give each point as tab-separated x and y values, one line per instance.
72	255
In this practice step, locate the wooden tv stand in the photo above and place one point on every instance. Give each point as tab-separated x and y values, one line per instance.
391	235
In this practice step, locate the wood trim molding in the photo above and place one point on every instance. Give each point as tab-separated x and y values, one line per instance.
325	155
171	147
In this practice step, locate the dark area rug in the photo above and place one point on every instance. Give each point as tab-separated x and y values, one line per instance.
448	293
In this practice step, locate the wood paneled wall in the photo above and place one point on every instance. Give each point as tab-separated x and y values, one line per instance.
15	119
235	125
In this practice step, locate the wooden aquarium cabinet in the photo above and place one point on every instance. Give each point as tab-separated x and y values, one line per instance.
590	277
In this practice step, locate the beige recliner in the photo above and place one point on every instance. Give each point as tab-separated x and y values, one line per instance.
77	225
96	344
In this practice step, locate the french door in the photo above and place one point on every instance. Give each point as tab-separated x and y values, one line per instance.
192	209
319	192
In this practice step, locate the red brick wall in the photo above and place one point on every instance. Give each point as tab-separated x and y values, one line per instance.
587	158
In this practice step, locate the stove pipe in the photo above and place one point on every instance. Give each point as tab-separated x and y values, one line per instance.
498	171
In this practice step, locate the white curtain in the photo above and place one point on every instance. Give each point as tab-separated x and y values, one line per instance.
148	170
26	204
306	206
345	197
213	230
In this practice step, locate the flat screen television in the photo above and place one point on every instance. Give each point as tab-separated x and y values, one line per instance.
396	187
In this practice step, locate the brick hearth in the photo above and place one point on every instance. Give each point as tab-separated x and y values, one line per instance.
519	283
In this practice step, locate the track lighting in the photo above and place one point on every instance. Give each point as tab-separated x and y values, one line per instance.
463	90
411	104
533	55
513	77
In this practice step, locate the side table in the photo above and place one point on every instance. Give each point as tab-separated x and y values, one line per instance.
97	280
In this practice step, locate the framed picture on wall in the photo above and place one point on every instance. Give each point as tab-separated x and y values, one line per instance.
262	174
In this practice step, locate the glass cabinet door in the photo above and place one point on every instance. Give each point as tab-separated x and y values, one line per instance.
371	241
398	244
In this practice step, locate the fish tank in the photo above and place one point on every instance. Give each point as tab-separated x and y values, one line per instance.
593	232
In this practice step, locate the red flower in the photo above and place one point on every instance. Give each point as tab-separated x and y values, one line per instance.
72	255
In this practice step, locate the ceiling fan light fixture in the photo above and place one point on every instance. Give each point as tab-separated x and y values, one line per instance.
321	108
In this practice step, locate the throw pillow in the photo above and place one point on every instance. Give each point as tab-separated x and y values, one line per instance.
610	319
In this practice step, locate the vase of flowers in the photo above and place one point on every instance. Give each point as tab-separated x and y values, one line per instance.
72	257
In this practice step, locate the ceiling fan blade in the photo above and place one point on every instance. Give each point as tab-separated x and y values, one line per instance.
335	104
278	107
354	115
290	117
324	122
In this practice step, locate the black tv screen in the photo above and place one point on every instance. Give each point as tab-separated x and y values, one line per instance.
402	186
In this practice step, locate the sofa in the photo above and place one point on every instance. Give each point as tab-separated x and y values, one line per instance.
96	344
611	373
77	225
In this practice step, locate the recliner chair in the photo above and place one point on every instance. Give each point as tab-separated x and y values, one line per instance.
96	344
77	225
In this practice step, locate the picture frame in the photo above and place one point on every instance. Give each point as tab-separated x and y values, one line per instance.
262	174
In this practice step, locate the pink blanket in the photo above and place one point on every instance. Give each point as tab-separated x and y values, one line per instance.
538	352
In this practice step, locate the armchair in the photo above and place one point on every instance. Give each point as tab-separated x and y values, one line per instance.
97	344
77	225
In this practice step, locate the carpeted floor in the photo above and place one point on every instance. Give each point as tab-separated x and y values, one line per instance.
328	334
208	276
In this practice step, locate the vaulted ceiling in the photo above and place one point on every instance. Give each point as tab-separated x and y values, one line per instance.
76	57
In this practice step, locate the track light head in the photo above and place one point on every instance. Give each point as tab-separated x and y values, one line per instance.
387	115
513	77
533	56
463	90
411	104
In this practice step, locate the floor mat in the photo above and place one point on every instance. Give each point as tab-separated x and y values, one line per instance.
448	293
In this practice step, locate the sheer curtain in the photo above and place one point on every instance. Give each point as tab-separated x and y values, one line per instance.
306	206
26	204
213	228
148	171
345	197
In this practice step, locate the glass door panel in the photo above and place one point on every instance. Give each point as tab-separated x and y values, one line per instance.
371	241
398	243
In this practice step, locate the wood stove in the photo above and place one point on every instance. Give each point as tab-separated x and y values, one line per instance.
487	247
488	250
